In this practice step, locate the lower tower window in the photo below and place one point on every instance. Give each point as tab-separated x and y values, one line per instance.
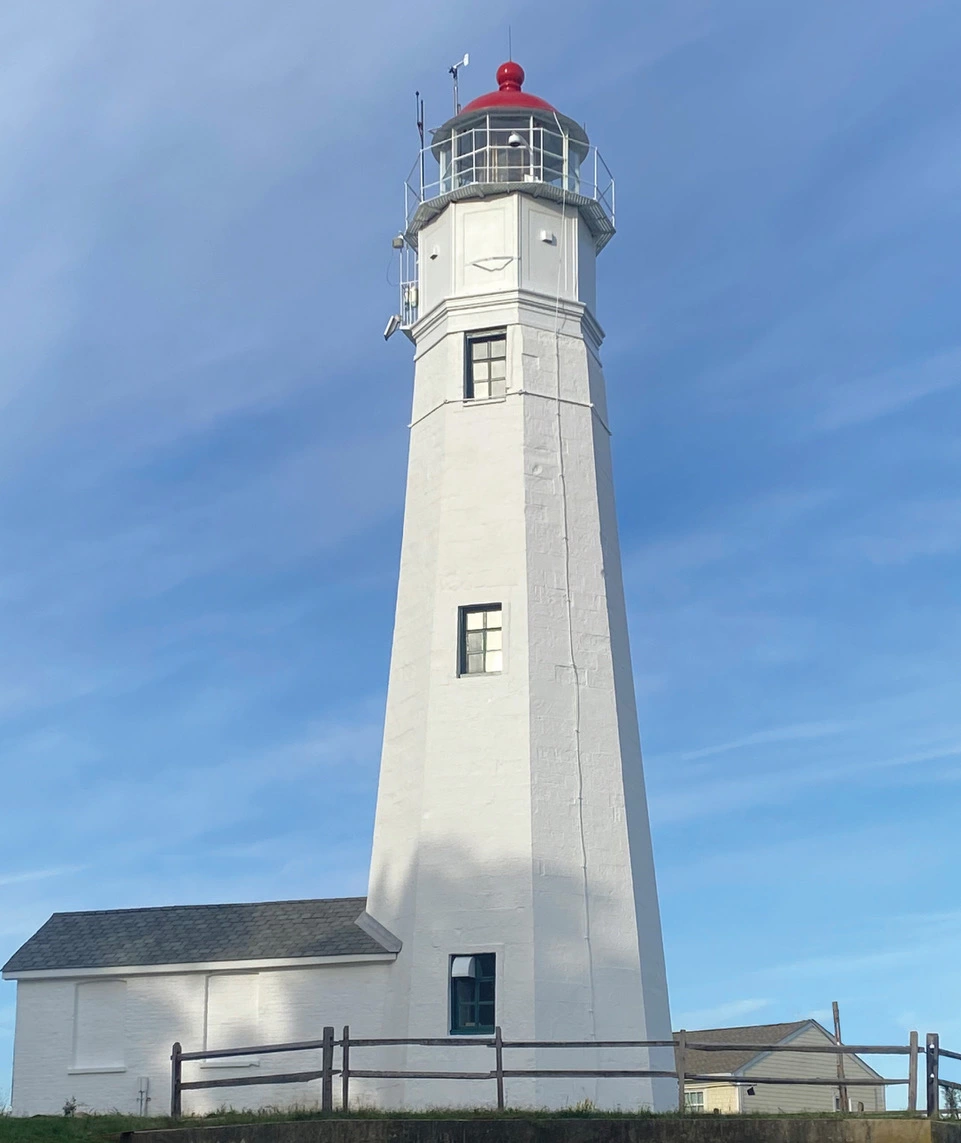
481	639
472	995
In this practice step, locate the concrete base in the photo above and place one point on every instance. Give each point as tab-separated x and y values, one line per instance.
695	1129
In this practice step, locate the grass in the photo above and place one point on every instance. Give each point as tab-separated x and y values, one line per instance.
107	1128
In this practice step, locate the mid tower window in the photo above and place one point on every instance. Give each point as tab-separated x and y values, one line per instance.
486	364
472	995
481	639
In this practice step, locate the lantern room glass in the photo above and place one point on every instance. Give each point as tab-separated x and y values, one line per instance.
509	148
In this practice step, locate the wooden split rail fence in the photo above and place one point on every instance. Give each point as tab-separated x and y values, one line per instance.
499	1074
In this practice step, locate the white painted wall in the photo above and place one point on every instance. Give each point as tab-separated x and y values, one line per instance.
289	1004
511	813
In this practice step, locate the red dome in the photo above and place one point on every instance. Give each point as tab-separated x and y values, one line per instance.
510	76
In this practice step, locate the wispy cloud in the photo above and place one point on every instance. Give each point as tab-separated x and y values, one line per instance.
861	399
721	1015
801	732
21	878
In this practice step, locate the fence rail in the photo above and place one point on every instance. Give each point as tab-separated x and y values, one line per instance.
680	1045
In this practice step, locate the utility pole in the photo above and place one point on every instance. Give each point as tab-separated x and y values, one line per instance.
842	1087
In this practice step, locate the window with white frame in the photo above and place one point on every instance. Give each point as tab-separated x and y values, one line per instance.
694	1100
481	639
232	1016
486	365
99	1017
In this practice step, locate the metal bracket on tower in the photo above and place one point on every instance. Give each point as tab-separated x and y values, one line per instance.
408	290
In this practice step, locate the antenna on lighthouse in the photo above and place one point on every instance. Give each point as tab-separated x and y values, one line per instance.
419	111
454	69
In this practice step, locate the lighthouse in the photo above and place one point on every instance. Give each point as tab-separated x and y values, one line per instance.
512	879
512	854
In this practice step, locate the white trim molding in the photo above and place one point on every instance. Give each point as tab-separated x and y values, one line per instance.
199	966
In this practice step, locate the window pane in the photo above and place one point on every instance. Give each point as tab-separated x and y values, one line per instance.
485	990
493	661
482	390
480	349
494	640
479	370
498	369
485	965
475	641
492	618
475	664
474	620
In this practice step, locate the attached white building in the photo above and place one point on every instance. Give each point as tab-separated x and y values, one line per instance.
102	996
512	877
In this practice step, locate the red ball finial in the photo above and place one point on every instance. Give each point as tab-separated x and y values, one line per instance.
510	76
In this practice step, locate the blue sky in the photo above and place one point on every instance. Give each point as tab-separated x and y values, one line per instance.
202	453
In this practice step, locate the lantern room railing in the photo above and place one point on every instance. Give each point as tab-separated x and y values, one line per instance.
518	152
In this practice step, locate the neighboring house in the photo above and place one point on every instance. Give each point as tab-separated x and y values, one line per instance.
726	1096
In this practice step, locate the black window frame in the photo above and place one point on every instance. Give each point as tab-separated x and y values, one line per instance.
480	337
464	630
473	993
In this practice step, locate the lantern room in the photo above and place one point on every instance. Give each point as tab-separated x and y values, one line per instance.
511	141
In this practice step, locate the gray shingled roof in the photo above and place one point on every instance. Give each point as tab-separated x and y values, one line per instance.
723	1063
185	934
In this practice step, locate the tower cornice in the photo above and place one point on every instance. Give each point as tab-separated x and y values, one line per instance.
456	314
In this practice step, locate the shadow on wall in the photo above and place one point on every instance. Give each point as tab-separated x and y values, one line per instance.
543	990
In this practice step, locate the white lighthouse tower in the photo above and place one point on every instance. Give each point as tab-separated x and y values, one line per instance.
512	853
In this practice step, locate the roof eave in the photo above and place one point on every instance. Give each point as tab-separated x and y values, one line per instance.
73	972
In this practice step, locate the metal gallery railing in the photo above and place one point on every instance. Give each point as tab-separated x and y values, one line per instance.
516	151
499	1074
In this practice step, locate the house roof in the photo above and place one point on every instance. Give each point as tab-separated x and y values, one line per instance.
191	934
711	1063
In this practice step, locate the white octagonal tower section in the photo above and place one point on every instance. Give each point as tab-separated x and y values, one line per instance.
511	813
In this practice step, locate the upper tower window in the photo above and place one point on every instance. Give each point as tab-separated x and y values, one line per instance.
481	639
486	365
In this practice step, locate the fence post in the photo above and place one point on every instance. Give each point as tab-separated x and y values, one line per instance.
931	1054
913	1072
499	1066
345	1070
327	1079
680	1066
176	1068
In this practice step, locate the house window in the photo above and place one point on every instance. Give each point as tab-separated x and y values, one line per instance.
694	1100
472	995
98	1025
232	1017
486	365
481	639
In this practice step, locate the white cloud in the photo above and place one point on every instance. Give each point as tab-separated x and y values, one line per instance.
732	1013
854	401
20	878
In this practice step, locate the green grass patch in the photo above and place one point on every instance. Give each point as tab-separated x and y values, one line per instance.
107	1128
